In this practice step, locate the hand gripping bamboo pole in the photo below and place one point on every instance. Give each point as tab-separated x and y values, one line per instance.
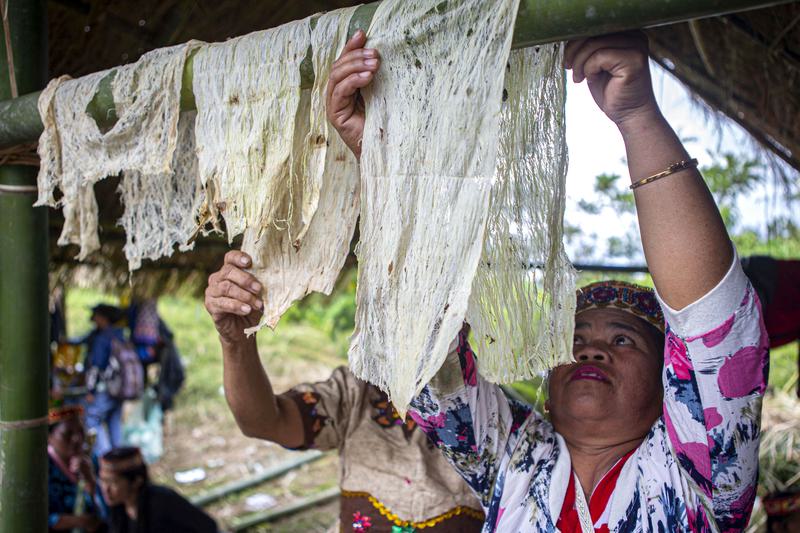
538	21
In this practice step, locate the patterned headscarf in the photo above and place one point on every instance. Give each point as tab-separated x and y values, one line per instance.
65	412
635	299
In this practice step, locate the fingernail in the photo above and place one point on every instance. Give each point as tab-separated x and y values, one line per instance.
371	62
256	287
243	260
259	304
365	74
359	33
245	309
370	52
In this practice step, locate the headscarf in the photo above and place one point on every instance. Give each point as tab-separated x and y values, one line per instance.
634	299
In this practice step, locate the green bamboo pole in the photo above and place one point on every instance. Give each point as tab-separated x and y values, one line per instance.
24	323
271	515
539	21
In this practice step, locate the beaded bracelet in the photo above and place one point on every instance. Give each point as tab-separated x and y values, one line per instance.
672	169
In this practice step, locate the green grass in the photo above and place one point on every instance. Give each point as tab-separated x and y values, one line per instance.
199	346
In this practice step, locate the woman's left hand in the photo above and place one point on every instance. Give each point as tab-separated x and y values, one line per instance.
616	69
81	466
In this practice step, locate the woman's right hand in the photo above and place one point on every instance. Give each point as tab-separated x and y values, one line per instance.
233	298
353	70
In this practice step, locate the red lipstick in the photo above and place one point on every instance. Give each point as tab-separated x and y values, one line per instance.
589	372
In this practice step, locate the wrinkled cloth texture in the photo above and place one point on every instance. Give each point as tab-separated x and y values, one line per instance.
75	153
424	197
308	255
161	210
461	212
522	305
247	92
696	470
381	456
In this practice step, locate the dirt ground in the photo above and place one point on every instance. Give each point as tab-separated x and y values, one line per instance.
206	436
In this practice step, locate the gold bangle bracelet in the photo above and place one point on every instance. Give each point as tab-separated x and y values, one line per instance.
672	169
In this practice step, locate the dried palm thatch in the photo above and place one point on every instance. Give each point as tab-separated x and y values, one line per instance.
745	65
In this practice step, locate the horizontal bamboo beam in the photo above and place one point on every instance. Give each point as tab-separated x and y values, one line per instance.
252	520
217	493
629	269
538	22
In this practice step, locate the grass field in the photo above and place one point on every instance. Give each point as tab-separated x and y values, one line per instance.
309	342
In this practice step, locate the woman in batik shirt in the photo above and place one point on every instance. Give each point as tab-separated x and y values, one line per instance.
393	479
646	432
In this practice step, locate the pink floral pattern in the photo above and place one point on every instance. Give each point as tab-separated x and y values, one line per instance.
361	522
695	471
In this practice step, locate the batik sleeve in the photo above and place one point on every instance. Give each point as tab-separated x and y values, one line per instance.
715	373
325	408
469	419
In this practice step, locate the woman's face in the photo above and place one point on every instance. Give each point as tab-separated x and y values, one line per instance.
67	438
614	383
117	489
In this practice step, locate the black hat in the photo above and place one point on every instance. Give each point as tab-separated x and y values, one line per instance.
111	312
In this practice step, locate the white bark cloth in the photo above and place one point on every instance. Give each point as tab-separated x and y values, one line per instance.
522	306
461	195
427	162
309	254
247	92
161	209
276	171
75	153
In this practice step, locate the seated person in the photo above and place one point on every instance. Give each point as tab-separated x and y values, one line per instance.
392	478
71	486
647	431
138	506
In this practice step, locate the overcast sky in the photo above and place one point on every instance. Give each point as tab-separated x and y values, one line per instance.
595	147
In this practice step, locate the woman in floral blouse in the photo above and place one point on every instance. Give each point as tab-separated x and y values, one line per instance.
648	430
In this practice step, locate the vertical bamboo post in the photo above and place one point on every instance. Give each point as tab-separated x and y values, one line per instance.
24	322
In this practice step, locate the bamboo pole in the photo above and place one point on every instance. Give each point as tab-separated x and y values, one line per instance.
217	493
24	337
321	498
538	21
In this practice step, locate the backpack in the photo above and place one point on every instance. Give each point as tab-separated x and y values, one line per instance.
124	375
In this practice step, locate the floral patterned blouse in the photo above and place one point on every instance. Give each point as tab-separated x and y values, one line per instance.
695	471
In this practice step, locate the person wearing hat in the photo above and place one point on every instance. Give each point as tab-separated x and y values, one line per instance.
73	502
655	424
103	412
138	506
783	511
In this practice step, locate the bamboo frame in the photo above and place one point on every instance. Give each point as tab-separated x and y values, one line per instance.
24	337
538	21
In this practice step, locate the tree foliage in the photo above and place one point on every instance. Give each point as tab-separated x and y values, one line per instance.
733	181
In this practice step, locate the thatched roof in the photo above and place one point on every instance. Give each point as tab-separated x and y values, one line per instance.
745	65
